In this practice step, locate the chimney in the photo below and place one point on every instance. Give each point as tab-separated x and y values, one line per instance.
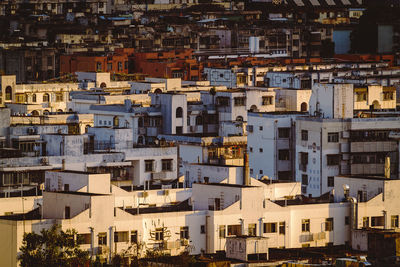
387	167
246	170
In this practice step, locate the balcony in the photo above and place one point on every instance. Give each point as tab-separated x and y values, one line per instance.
377	146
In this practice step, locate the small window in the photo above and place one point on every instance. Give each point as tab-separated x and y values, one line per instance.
102	239
134	236
159	234
283	154
235	230
347	220
250	149
305	225
167	164
202	229
304	135
333	137
252	229
240	101
283	132
261	150
67	212
267	100
179	112
395	221
282	228
149	165
270	227
331	181
365	222
222	231
332	160
184	232
261	128
46	98
329	224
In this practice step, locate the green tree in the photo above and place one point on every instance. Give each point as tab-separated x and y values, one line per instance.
52	247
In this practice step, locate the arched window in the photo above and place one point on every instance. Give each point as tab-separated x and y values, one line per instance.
46	112
179	112
46	97
239	118
103	85
35	113
303	107
34	98
158	91
116	121
59	111
8	93
199	120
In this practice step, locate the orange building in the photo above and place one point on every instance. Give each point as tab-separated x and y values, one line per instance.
116	62
170	64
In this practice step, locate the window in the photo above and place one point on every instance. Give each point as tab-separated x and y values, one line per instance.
126	65
20	98
59	97
304	135
250	149
261	171
179	112
240	101
34	98
202	229
119	66
235	230
167	164
388	96
365	222
305	225
332	160
329	224
267	100
222	231
283	132
361	96
178	129
121	236
270	227
261	128
395	221
223	101
134	236
283	154
149	165
331	181
261	150
346	220
67	212
377	221
199	120
102	239
361	196
116	121
304	179
84	239
282	228
333	137
109	66
46	98
252	229
8	93
159	234
184	232
98	66
303	158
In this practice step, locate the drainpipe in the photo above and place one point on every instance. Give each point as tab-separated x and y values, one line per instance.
111	228
91	242
353	217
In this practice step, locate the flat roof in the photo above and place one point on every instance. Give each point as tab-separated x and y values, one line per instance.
77	193
228	185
